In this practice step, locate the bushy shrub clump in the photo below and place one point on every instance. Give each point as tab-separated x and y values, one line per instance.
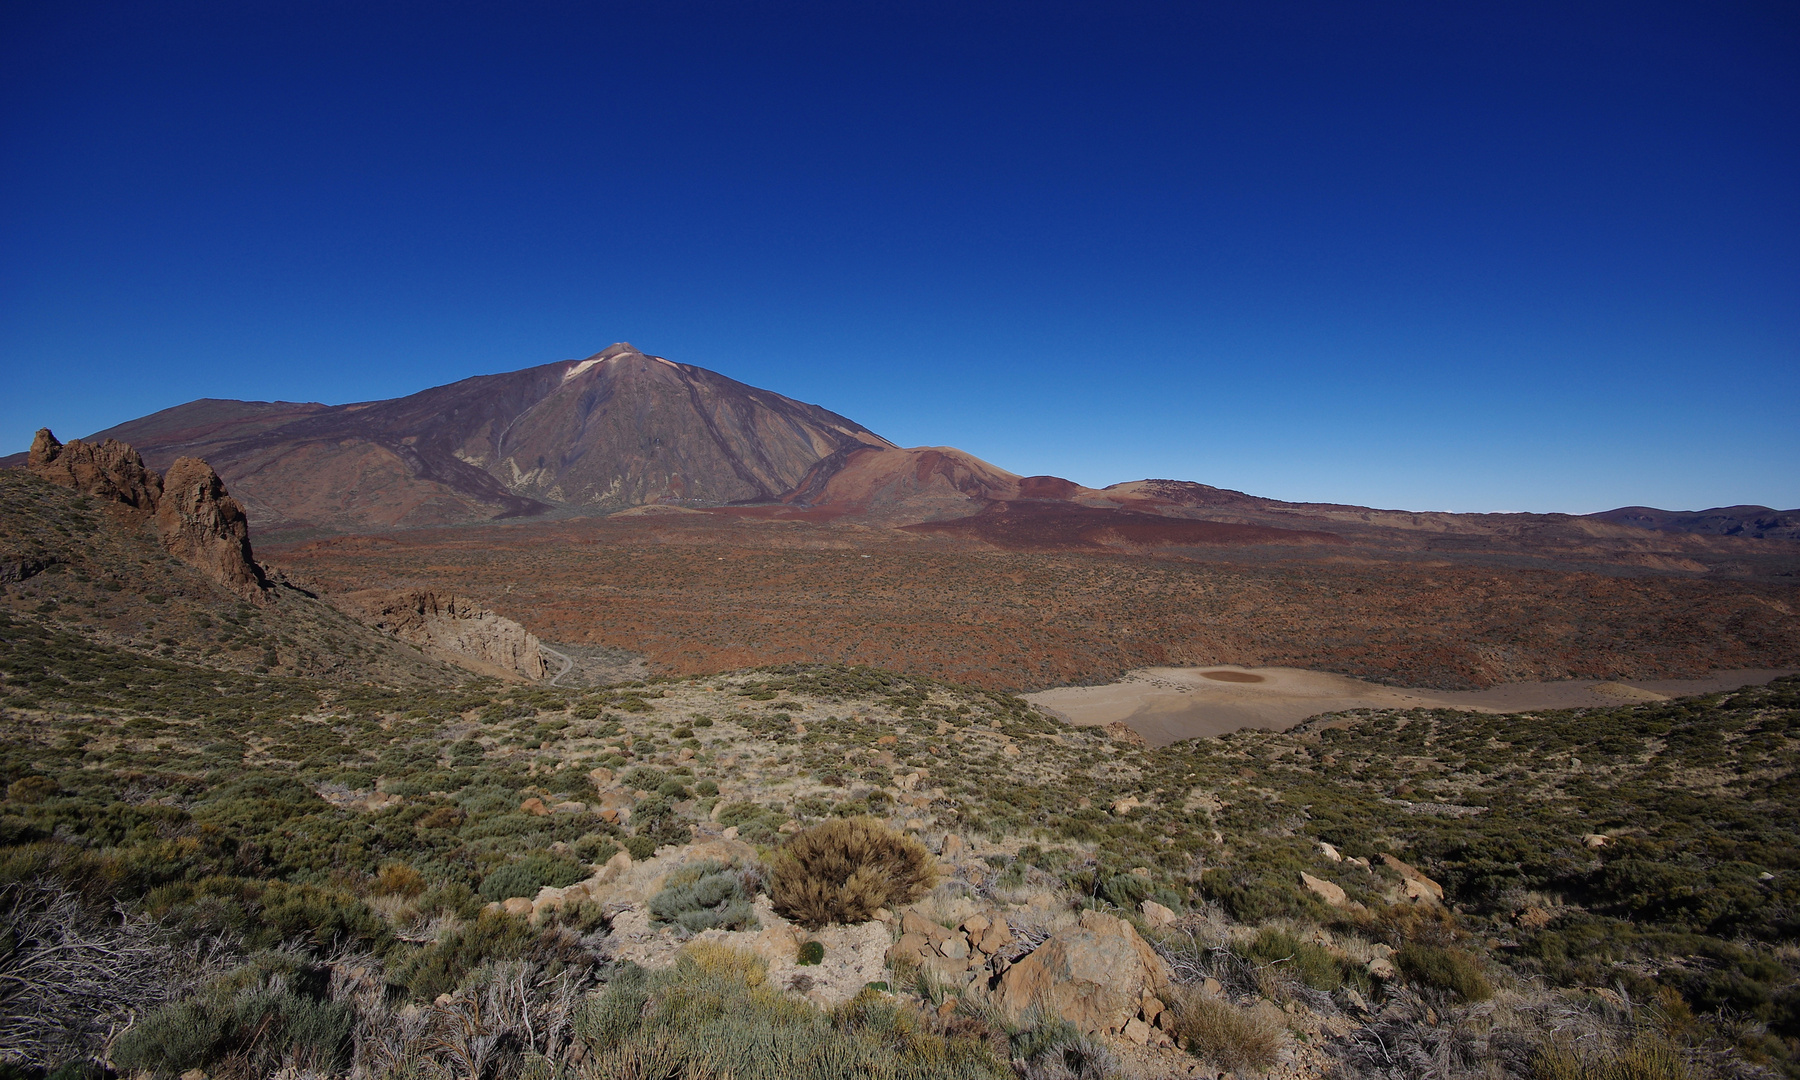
713	1014
273	1008
1444	968
708	895
526	876
843	870
1311	964
1647	1060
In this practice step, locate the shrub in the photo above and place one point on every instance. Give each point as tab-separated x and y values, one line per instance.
1302	960
713	1014
525	877
1223	1034
399	879
1444	968
705	896
811	952
843	870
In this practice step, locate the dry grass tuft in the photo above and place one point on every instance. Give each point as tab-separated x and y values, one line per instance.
1224	1034
841	871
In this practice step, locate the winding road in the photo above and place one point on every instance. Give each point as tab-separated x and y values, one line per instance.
568	664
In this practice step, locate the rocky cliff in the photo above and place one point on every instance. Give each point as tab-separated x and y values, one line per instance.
454	629
197	521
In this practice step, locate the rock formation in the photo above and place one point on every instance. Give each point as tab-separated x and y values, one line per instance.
205	527
197	521
108	470
454	629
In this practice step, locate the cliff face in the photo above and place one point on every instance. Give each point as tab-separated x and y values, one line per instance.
196	520
453	629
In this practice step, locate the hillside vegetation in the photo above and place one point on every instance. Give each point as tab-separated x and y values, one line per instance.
312	867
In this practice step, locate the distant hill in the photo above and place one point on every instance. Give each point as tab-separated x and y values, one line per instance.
624	429
1760	522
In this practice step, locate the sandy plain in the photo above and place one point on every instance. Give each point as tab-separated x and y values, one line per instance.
1168	704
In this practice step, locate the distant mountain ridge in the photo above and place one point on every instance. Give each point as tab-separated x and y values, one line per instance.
622	429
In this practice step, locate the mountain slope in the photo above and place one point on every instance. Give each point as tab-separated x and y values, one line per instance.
617	429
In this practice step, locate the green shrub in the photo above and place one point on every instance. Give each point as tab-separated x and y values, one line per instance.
713	1014
1444	968
1312	964
708	895
843	870
526	876
811	952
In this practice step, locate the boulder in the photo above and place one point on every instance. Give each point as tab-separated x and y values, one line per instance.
1095	975
1413	874
1330	852
1156	916
1125	806
1324	890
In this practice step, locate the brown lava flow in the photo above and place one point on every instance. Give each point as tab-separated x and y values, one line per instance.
699	593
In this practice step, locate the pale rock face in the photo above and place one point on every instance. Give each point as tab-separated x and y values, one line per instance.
1094	975
455	629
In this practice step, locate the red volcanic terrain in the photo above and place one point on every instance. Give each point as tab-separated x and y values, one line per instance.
709	591
704	524
1034	525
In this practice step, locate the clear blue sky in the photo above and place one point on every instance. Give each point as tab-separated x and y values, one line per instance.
1465	256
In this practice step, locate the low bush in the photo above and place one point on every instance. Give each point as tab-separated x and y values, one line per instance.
1444	968
1223	1034
1279	951
709	895
843	870
713	1014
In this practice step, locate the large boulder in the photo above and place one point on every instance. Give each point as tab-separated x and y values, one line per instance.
1095	975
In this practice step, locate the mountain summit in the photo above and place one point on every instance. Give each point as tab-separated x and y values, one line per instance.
619	428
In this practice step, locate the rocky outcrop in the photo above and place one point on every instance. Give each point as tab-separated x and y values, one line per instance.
454	629
203	526
1095	975
196	519
109	470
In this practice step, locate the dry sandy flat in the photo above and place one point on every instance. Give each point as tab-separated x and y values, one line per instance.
1165	705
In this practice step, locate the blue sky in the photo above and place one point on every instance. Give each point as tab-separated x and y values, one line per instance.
1436	256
